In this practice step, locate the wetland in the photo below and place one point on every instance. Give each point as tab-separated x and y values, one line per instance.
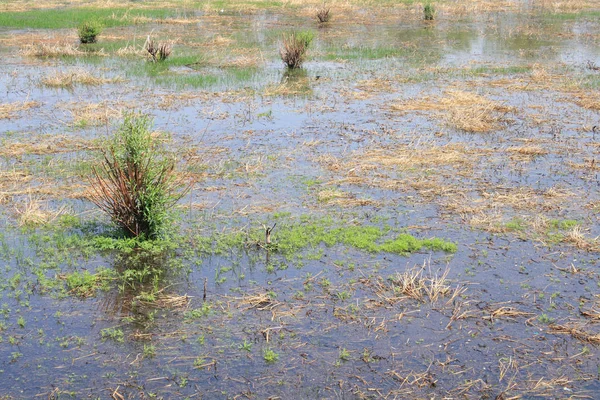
411	214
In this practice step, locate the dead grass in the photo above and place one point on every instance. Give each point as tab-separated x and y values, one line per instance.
588	102
421	285
466	111
94	114
8	110
565	6
526	153
36	212
55	50
342	199
69	78
576	331
577	237
476	7
45	145
506	312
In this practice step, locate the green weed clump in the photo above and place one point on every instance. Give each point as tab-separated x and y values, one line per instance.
88	31
294	47
85	284
428	12
136	184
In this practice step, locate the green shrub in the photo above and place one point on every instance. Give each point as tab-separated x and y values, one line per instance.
428	11
137	184
295	45
88	31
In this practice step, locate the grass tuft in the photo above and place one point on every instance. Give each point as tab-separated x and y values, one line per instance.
294	47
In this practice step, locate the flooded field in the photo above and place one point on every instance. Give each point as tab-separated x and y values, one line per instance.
430	188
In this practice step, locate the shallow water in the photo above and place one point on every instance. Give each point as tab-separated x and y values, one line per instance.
267	143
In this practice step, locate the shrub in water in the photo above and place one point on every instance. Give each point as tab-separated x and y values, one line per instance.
137	184
428	12
158	51
294	48
88	31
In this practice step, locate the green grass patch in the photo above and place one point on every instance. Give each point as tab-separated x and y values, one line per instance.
85	284
309	234
507	70
73	17
365	52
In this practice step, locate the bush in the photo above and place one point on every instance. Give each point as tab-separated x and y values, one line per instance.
88	31
429	12
158	51
323	15
137	184
294	48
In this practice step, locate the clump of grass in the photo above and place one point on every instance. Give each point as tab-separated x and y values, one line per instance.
428	12
136	184
294	47
270	356
158	51
114	334
414	284
323	14
88	31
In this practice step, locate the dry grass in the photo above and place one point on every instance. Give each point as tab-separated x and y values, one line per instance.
506	312
526	153
476	7
588	102
165	301
466	111
342	199
576	331
34	212
67	79
565	6
8	110
293	87
94	114
55	50
577	237
416	284
323	14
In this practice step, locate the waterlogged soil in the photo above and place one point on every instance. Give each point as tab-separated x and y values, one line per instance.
432	189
